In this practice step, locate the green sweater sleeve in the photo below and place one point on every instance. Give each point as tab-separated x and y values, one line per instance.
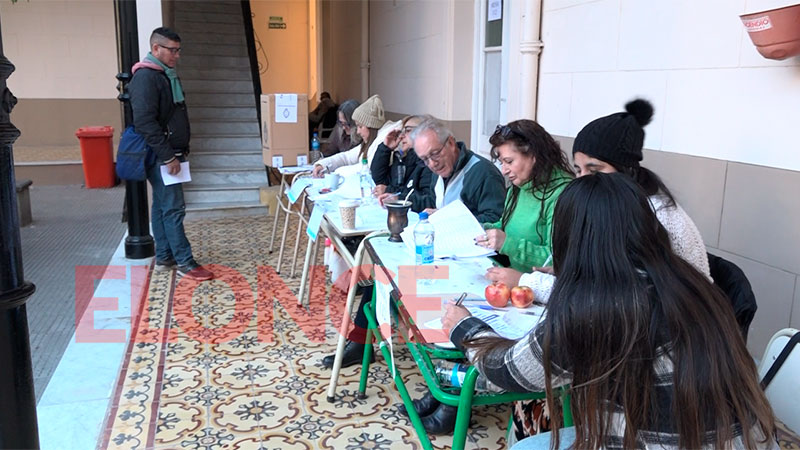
528	240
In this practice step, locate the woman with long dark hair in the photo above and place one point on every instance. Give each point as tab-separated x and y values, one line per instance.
650	348
538	171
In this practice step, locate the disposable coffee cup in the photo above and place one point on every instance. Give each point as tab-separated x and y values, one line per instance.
347	208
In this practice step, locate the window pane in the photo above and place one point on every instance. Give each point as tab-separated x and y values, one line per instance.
494	28
491	91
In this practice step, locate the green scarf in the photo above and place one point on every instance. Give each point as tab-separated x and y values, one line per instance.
175	82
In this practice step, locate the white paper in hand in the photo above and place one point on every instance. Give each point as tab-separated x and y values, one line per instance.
455	231
184	176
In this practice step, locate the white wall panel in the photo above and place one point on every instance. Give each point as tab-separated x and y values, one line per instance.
596	95
678	34
554	105
714	95
744	115
581	38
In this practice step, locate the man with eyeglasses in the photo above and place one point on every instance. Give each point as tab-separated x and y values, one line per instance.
459	173
160	117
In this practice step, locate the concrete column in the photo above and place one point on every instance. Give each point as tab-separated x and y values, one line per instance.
530	47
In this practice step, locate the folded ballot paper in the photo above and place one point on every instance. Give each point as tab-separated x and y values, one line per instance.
455	230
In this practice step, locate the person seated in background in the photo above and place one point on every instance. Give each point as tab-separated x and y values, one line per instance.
344	135
396	169
538	171
469	177
650	350
315	117
458	173
371	126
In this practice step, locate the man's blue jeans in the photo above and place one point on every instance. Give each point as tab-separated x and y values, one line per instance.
168	211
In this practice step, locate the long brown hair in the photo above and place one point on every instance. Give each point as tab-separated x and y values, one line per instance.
373	133
532	140
622	301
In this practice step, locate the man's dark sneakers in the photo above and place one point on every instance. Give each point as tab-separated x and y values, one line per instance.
353	354
165	265
195	272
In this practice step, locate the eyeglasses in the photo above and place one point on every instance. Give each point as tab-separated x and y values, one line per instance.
344	124
407	130
173	50
434	155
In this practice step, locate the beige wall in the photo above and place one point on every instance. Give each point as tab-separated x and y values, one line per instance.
749	215
283	55
421	56
62	49
53	122
66	59
341	49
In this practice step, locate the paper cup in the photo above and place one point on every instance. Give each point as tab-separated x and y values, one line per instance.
347	209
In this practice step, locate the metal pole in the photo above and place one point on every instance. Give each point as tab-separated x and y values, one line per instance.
139	244
18	426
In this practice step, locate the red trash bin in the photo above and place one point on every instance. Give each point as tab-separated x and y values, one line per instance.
96	153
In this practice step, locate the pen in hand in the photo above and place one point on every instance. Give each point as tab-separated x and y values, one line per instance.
460	299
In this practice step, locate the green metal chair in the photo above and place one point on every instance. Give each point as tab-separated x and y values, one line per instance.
464	398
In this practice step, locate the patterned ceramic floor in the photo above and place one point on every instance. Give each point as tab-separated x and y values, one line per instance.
202	374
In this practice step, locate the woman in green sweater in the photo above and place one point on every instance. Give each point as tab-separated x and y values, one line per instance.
538	170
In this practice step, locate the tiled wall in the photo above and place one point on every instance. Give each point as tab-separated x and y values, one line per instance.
749	215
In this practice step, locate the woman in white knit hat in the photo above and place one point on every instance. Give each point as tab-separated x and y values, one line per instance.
372	126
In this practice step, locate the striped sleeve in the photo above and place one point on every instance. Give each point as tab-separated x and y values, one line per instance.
515	366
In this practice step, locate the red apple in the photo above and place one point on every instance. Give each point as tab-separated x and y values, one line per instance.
497	294
521	296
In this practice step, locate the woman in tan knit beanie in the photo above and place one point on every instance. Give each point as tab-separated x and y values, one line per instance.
372	126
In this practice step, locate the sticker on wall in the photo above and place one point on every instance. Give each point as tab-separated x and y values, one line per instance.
285	108
276	23
495	10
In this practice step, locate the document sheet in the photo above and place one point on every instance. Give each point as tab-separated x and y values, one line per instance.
455	230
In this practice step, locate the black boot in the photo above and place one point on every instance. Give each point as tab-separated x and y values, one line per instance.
353	354
424	406
442	420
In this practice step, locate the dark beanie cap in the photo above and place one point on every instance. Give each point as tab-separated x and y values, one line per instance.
618	138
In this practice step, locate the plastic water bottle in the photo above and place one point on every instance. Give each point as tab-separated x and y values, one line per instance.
453	374
365	179
423	240
316	154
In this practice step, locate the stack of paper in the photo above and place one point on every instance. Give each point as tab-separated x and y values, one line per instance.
455	230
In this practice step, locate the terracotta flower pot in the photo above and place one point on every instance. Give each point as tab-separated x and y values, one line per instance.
775	32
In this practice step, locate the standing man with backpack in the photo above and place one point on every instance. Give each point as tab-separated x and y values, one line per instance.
159	116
